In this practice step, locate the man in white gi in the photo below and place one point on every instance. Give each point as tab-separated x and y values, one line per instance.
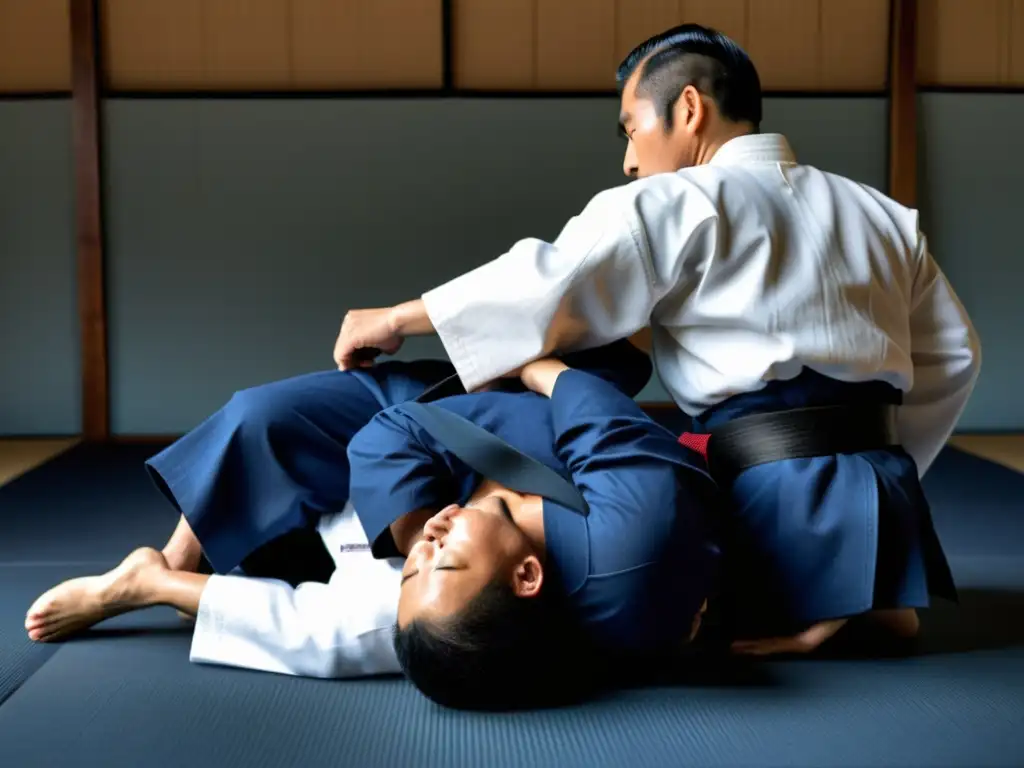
783	301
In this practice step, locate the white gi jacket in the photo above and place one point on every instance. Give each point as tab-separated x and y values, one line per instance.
746	269
337	630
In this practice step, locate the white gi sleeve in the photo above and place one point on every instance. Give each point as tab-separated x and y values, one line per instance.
336	630
946	354
595	284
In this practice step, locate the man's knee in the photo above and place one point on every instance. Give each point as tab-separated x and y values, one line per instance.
262	405
278	402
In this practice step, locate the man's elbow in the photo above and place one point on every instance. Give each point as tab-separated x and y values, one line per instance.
370	654
974	350
960	355
965	366
337	661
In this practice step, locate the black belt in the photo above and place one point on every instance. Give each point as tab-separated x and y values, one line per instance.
488	454
799	433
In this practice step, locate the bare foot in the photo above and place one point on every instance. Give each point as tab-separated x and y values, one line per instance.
902	622
804	642
77	604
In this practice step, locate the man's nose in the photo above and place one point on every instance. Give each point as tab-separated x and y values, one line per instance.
629	163
435	530
437	527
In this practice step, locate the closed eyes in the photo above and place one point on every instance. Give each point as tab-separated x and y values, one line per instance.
407	576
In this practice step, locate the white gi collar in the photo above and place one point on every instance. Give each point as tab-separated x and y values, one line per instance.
754	148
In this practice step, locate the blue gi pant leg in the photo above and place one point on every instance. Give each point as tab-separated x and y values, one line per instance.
826	537
273	459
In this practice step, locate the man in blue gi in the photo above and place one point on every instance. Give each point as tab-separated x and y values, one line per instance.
494	589
596	529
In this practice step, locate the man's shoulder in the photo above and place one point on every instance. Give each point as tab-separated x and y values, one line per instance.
898	221
681	182
653	197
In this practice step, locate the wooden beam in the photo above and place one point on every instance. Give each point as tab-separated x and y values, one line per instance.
88	218
903	102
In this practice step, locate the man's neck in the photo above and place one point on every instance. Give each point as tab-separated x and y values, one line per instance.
728	133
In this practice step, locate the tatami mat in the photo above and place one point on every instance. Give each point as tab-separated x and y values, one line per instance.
126	694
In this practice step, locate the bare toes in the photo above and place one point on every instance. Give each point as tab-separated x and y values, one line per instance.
41	608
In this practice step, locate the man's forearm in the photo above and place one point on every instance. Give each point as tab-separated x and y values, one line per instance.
408	529
341	629
411	319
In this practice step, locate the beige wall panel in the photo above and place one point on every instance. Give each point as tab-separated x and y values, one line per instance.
784	42
35	45
358	44
153	43
730	17
1016	57
854	44
325	42
493	44
576	44
406	41
637	20
247	43
962	42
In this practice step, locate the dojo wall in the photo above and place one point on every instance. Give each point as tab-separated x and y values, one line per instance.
240	227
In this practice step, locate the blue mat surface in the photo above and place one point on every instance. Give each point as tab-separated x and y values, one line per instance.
126	694
89	504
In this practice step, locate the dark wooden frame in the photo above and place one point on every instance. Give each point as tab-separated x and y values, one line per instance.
903	101
85	87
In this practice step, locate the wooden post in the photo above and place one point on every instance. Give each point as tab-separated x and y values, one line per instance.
89	218
903	102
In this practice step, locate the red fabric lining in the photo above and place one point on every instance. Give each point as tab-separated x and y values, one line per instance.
698	443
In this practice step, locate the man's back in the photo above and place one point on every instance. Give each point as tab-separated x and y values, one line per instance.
762	267
803	266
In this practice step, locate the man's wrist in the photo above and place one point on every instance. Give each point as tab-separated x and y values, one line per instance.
410	319
541	376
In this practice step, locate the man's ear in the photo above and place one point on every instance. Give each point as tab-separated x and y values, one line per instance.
690	110
528	577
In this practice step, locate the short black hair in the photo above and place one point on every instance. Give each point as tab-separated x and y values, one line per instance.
501	652
699	56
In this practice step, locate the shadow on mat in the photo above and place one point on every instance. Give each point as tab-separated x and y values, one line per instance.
698	669
985	620
117	633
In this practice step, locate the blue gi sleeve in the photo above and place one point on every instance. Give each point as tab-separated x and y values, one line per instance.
650	552
633	473
396	468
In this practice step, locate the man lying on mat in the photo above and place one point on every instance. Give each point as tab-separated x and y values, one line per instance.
501	589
